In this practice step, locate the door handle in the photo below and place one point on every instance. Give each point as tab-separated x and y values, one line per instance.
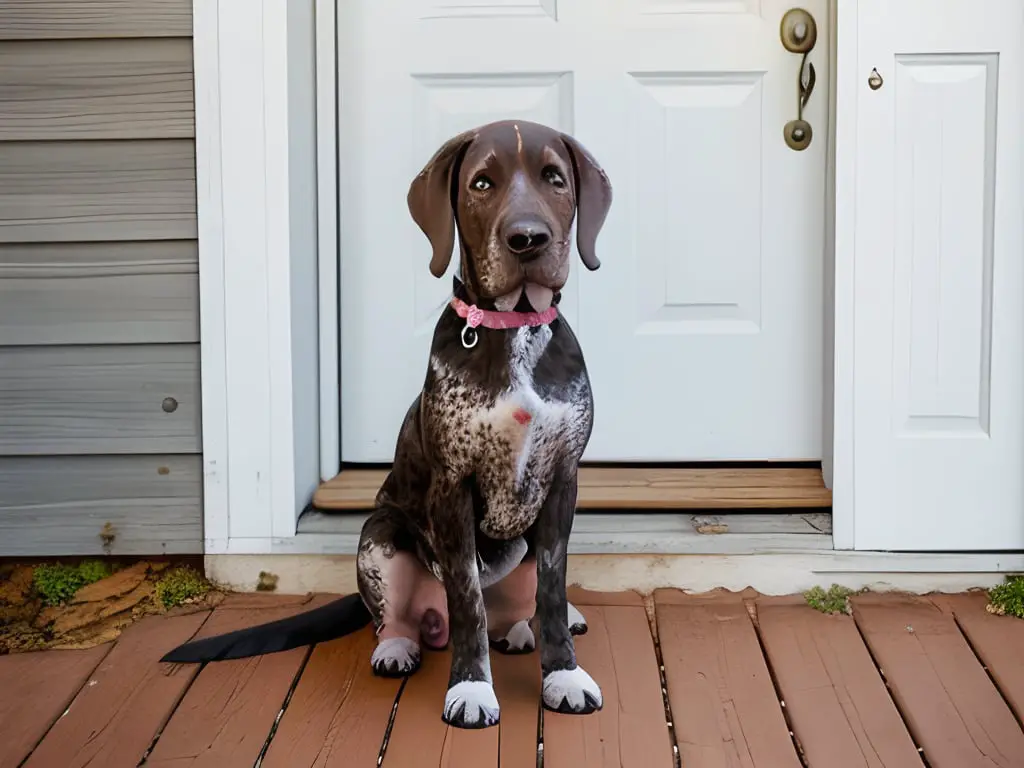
799	33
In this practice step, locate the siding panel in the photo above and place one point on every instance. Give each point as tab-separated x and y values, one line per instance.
58	505
97	190
94	400
99	293
96	89
57	19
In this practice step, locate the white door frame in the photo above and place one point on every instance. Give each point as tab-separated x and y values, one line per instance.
266	107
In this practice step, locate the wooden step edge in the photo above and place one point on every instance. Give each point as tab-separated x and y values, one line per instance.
636	489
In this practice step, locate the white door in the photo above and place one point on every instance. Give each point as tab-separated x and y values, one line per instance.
703	328
939	276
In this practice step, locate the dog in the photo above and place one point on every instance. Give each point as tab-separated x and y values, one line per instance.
466	545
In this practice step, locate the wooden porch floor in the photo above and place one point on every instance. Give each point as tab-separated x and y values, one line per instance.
752	682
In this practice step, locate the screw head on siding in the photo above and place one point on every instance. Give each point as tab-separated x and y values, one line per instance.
170	405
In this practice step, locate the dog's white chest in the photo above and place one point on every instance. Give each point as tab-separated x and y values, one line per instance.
515	442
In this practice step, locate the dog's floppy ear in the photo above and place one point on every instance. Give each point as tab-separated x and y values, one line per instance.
430	200
593	199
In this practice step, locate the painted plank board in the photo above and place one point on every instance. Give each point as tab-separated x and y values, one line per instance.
636	488
99	293
420	737
632	532
953	710
58	505
113	720
517	686
837	702
225	718
339	712
724	706
61	19
65	191
998	641
96	89
105	399
37	688
630	730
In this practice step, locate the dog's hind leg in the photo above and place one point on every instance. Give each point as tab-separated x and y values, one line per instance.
405	600
511	604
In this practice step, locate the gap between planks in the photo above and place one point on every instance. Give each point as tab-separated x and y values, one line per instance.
640	488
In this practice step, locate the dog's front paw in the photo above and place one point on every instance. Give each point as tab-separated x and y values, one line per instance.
396	657
471	704
571	692
519	639
577	624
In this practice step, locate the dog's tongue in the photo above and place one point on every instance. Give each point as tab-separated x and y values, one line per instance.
539	296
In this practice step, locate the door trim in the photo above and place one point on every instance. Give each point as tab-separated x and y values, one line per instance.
837	448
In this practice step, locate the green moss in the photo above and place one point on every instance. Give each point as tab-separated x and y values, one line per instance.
57	583
1008	598
179	585
93	571
832	600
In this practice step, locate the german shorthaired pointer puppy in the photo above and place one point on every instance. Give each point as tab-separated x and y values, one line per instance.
467	542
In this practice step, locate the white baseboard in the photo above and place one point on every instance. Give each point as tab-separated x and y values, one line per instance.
773	574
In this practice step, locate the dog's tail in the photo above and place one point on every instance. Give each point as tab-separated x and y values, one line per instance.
336	619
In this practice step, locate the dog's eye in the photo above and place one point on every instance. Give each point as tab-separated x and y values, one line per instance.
553	177
482	184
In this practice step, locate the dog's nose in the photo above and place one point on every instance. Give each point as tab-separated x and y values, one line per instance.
525	237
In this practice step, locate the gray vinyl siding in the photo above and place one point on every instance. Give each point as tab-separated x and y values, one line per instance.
100	419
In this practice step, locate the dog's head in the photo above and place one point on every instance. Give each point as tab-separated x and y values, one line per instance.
512	190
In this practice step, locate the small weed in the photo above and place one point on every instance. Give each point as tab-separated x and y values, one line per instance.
1008	598
57	583
179	585
832	600
93	571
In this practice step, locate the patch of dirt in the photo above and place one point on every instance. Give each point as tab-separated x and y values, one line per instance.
96	614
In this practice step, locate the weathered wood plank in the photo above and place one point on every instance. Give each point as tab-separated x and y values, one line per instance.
637	488
420	737
517	686
99	293
93	400
339	711
947	700
838	706
724	706
226	716
997	640
59	505
62	19
630	730
96	89
37	688
66	191
113	720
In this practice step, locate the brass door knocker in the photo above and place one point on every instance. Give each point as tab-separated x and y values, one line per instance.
799	33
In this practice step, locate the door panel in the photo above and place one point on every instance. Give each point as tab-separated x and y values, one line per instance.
702	329
939	328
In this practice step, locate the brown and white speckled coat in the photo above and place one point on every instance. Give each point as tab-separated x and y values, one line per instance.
482	492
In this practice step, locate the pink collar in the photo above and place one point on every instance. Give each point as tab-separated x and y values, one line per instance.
474	316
